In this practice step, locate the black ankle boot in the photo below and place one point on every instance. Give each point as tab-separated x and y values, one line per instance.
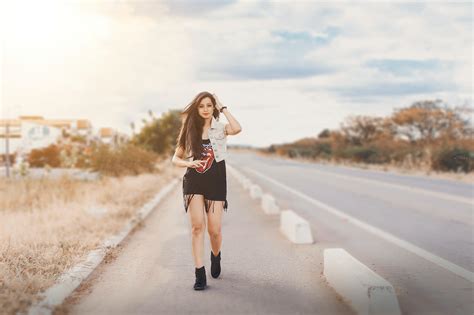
201	282
215	265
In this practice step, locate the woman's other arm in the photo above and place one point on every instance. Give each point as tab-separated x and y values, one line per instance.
233	127
178	158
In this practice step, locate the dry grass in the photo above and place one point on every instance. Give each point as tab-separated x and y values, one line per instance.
46	226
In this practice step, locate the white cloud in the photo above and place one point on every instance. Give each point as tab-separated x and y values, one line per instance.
112	61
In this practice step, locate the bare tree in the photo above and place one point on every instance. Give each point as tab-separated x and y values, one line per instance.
359	130
425	121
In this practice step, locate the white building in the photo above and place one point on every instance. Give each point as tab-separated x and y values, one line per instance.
112	137
31	132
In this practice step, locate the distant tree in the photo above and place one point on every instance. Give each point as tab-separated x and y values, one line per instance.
151	114
425	121
170	126
326	133
79	138
360	130
159	134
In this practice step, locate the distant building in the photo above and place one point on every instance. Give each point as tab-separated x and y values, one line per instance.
32	132
112	137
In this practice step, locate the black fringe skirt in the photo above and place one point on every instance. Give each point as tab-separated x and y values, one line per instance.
212	184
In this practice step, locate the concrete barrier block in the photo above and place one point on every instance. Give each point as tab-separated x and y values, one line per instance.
247	183
295	228
241	178
269	205
367	292
255	191
237	175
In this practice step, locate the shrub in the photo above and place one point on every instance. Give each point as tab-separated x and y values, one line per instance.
308	148
292	153
45	156
124	160
313	151
323	149
363	154
453	159
12	158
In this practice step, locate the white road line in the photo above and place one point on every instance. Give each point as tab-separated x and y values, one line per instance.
437	194
458	270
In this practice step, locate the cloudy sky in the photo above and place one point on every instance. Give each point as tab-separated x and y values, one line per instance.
285	69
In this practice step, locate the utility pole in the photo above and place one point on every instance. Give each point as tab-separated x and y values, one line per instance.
7	149
6	131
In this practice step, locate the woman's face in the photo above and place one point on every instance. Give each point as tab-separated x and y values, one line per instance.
205	108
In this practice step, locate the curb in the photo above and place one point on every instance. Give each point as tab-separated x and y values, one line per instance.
243	180
255	191
366	291
72	278
269	204
295	228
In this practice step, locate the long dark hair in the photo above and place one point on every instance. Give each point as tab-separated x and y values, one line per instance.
190	135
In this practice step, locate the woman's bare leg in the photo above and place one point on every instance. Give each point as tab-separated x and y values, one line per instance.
198	225
214	226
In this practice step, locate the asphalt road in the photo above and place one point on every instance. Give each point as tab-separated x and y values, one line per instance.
416	232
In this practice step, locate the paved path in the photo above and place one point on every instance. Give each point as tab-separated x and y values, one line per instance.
262	272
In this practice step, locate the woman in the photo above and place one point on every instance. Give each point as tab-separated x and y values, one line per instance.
204	138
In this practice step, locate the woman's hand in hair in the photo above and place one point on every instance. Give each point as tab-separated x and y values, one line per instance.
218	103
196	163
